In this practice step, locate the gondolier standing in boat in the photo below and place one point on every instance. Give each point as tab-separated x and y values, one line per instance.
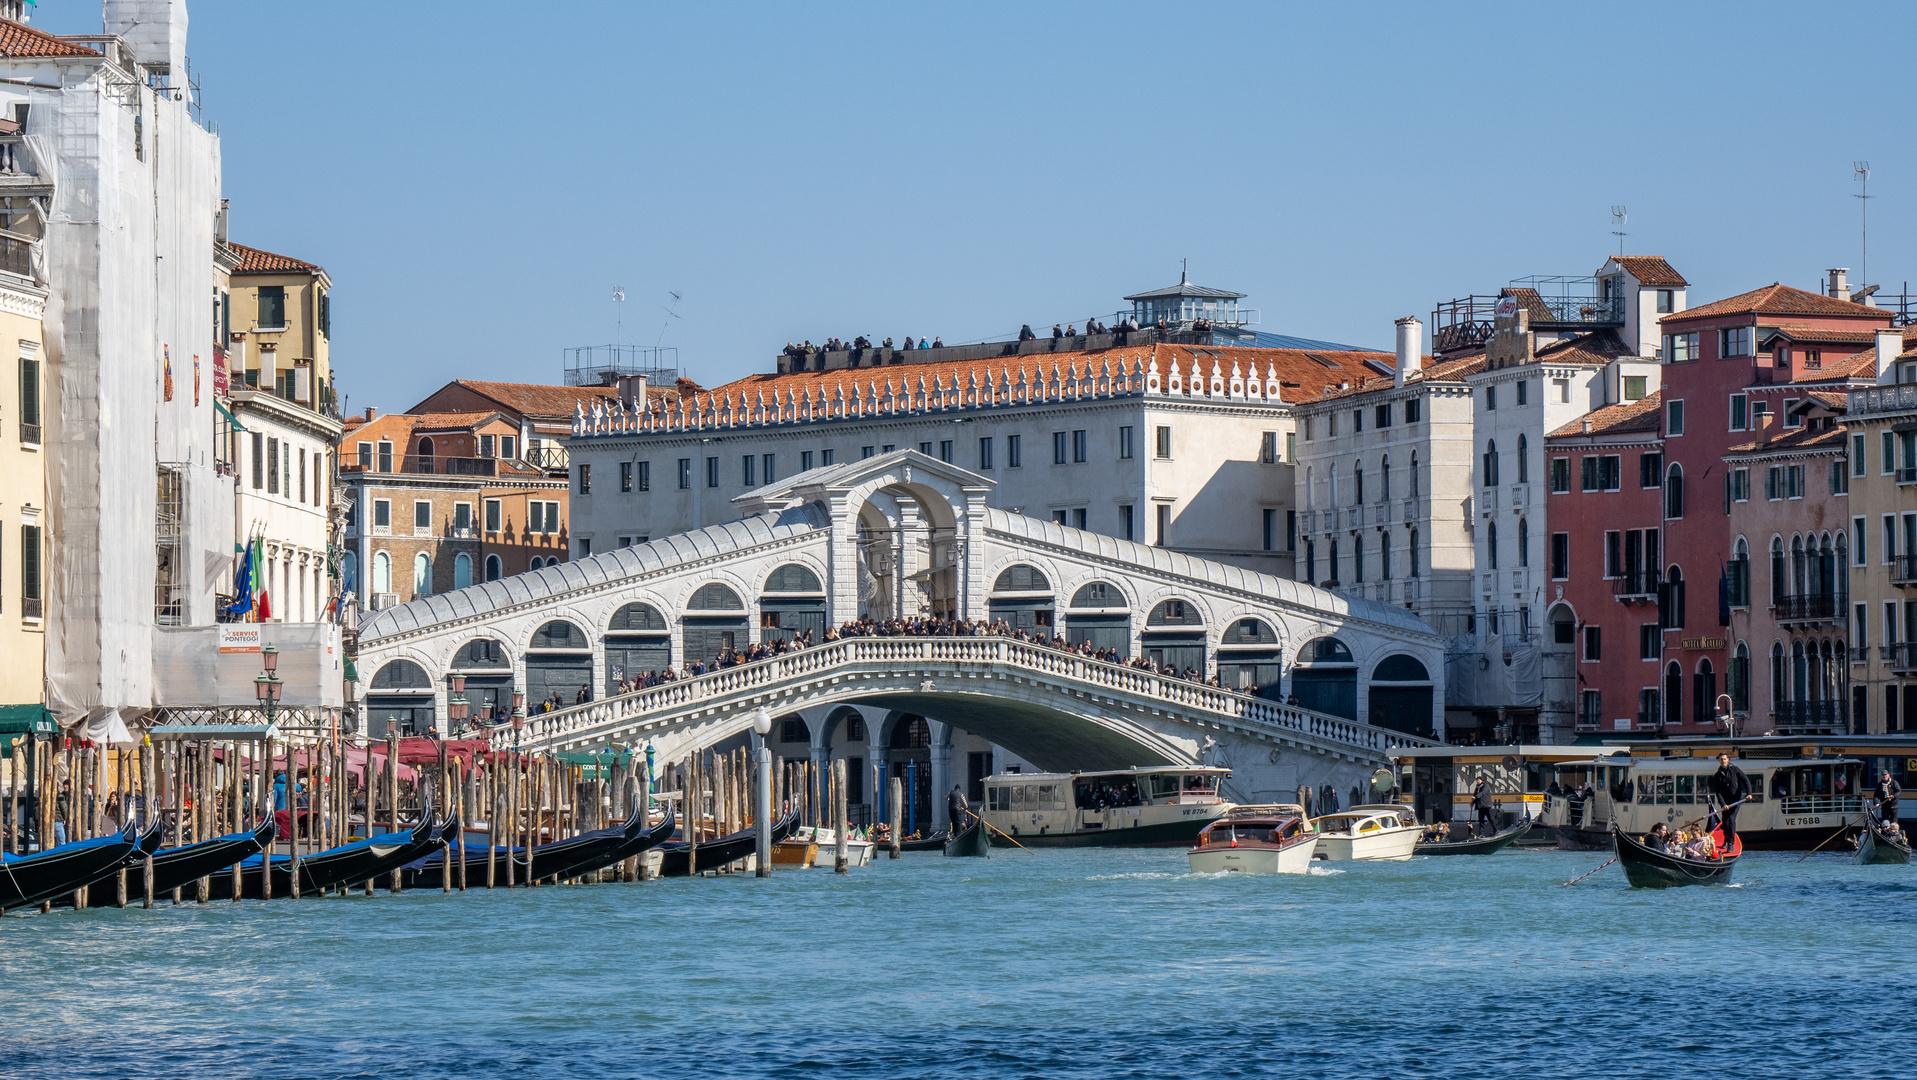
1481	802
1887	791
958	809
1731	787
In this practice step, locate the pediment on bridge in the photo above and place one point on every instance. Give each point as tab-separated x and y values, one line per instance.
902	467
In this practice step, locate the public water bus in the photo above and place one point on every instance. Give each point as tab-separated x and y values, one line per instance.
1796	804
1436	782
1155	806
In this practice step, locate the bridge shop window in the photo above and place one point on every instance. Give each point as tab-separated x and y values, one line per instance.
794	603
1022	597
1101	616
1400	697
400	699
638	642
1249	658
1326	678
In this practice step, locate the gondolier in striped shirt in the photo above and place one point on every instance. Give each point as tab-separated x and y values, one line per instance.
1888	789
1731	787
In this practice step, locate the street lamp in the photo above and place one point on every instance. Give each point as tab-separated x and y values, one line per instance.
519	716
762	802
456	704
268	685
1726	714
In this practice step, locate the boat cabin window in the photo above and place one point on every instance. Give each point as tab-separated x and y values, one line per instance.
1201	784
1025	797
1684	790
1164	786
1102	793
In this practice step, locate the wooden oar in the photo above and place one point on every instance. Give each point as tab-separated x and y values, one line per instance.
1680	828
1001	832
1841	830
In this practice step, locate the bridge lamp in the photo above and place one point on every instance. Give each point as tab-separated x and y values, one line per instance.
762	721
456	704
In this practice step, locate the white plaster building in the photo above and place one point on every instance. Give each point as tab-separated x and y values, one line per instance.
284	495
113	165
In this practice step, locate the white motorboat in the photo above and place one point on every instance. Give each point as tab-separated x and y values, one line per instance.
858	851
1255	840
1373	833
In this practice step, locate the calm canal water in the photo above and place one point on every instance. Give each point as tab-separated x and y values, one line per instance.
1054	964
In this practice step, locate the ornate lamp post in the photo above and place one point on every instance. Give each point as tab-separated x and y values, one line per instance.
267	686
1726	713
519	716
456	704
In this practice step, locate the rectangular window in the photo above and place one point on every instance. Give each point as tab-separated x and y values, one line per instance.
644	480
1357	420
30	558
712	472
1774	483
302	487
1839	477
1128	528
945	450
1635	387
272	307
926	448
1291	446
1270	529
1014	452
1792	419
1613	559
1524	395
1058	448
552	516
827	456
1491	398
385	457
29	401
985	454
1680	347
1413	410
1650	643
1291	533
462	519
492	515
535	516
1857	541
685	473
1164	523
770	468
1890	538
1080	447
382	514
1587	473
1740	412
1560	556
1650	469
1560	474
865	452
585	478
1593	644
422	515
1125	449
1664	298
1164	441
1308	428
1674	418
749	470
1740	485
259	460
1058	516
625	476
1078	518
1381	416
1268	448
1735	341
486	446
1861	616
365	456
1857	455
1331	424
805	461
1889	462
272	466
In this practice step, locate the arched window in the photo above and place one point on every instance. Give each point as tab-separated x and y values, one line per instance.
1524	541
1674	491
1384	556
638	618
1673	598
1022	578
1357	484
1800	573
1357	556
1248	632
1840	570
1491	545
1490	464
1704	692
1311	562
1778	578
1384	478
349	572
1780	678
1175	613
1311	496
422	575
1098	594
425	455
1411	552
1741	573
1673	694
793	578
1524	459
462	570
402	675
1826	568
559	634
1332	486
714	596
382	572
492	568
1414	474
1738	680
1332	577
536	563
1800	673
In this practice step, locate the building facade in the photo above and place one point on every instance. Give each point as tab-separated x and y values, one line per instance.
23	504
276	318
283	483
1883	538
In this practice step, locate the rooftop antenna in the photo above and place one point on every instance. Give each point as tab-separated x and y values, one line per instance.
670	315
1182	264
1861	170
1618	218
619	309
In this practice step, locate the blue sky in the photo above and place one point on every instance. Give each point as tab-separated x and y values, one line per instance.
476	176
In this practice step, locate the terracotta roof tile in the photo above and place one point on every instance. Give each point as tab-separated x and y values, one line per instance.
1802	438
1780	299
439	421
1306	375
1626	417
255	261
1650	270
1862	335
18	39
1867	360
1596	349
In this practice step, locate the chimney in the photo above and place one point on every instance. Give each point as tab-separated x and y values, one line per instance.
1410	349
372	414
1764	428
1890	345
1587	425
632	391
1839	283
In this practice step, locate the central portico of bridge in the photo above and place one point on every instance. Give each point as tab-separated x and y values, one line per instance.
904	535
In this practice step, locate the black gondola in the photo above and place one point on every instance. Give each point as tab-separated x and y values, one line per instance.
1482	846
675	858
567	858
175	868
1876	848
1648	868
347	864
31	879
935	842
970	842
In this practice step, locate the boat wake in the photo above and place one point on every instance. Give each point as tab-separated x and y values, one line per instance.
1323	871
1143	875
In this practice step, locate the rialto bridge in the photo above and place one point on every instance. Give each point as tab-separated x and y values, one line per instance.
903	534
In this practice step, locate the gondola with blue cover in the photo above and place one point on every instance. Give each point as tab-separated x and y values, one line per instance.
26	880
676	860
347	864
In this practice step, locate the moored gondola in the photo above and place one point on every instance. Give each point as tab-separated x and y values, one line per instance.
970	842
31	879
174	868
567	858
348	864
934	842
675	860
1875	847
1648	868
1481	846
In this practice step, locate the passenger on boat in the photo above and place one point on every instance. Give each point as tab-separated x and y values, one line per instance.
1731	787
1895	833
1435	832
1659	838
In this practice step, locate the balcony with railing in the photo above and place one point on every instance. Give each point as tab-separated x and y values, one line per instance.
1810	608
1903	570
1810	717
1468	322
1900	656
1636	587
428	465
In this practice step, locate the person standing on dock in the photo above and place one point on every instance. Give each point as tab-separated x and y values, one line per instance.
1731	786
1481	802
1888	789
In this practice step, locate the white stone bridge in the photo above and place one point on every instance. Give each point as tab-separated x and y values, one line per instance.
904	534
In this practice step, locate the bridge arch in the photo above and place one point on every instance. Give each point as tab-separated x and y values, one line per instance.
1400	696
638	641
1022	595
919	497
1325	677
1175	636
558	663
793	602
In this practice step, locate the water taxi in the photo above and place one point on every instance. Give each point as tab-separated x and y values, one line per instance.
1367	833
1255	840
1158	806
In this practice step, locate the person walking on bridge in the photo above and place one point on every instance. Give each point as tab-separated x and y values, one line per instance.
1731	786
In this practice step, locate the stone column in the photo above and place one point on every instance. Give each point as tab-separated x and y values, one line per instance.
941	738
911	532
